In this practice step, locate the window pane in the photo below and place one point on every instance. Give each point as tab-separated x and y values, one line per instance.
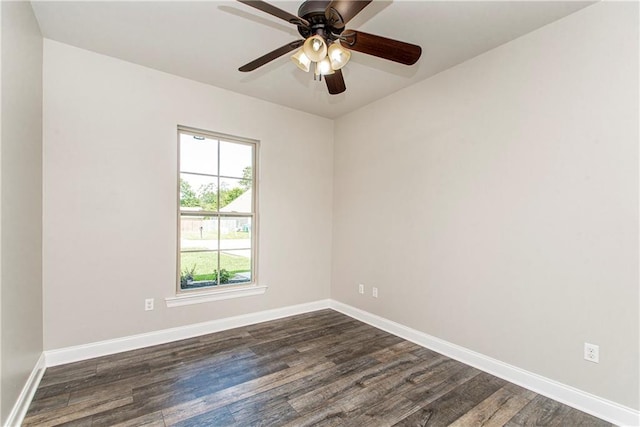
235	196
198	154
198	269
198	233
197	191
216	210
235	159
235	233
236	265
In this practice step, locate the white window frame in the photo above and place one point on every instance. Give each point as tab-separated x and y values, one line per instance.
214	293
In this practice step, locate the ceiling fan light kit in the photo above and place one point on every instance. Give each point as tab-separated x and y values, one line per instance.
338	56
321	23
301	60
323	67
327	59
315	48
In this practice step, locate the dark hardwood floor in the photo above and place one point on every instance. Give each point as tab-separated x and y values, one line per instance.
320	368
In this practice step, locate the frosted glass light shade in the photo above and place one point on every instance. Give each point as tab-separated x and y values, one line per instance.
338	56
301	60
315	48
324	67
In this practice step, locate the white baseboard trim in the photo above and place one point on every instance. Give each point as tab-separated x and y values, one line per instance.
583	401
118	345
21	406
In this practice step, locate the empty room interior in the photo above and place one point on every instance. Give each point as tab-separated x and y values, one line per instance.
364	213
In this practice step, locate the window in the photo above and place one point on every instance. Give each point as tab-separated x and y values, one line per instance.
217	210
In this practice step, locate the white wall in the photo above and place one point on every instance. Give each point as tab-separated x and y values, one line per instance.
495	205
21	200
110	173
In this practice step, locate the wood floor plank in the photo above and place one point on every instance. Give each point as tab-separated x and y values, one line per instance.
319	396
542	411
456	403
386	413
446	377
336	342
77	384
263	412
321	368
140	408
306	384
356	351
65	373
48	403
292	340
74	412
224	397
328	343
138	356
153	419
390	353
281	328
497	409
179	390
364	392
215	417
81	422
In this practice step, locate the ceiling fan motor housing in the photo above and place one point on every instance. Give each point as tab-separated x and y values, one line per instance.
325	23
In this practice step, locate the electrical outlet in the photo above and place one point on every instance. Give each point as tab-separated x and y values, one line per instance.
591	352
148	304
361	288
375	292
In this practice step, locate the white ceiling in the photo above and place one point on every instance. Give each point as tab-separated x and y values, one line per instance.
208	40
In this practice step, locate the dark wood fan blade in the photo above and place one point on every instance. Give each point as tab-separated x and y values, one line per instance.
335	82
256	63
382	47
275	11
346	9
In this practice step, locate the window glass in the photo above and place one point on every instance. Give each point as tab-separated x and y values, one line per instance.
198	233
236	159
199	191
216	232
237	265
235	195
198	154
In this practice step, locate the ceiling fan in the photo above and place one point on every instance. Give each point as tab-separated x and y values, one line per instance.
327	44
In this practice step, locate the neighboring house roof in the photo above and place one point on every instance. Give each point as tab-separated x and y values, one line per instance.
241	204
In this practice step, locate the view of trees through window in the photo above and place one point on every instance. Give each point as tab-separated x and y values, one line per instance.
216	210
206	196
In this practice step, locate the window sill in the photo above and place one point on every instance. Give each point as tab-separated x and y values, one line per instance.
215	295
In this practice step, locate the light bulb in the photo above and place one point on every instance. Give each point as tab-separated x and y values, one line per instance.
338	56
301	60
324	67
315	48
